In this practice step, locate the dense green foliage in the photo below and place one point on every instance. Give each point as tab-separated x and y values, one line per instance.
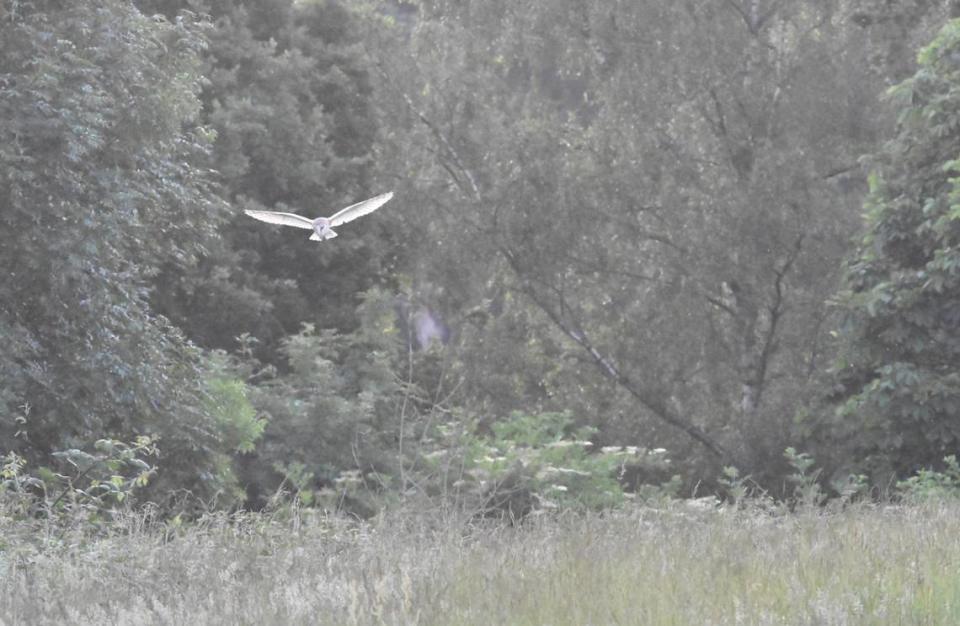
102	185
290	101
607	272
647	229
901	364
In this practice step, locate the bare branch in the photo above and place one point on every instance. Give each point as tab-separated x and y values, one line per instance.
572	329
743	14
720	124
776	310
770	13
565	321
839	171
447	145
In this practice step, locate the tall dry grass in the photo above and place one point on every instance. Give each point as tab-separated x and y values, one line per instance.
669	565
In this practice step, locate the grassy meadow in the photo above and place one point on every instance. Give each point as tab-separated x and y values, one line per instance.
674	564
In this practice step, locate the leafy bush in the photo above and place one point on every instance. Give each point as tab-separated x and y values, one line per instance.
809	488
930	484
332	414
738	487
544	461
103	182
237	419
82	485
899	392
805	478
238	429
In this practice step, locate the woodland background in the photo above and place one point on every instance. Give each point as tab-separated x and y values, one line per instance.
636	249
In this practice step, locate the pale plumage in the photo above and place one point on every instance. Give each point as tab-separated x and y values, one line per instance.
322	227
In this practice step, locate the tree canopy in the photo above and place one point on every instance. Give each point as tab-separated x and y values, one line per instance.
666	218
615	257
899	368
103	184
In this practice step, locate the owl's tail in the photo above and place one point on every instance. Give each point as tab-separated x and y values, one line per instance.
329	235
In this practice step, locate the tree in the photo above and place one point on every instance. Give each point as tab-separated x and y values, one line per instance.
334	425
288	97
101	184
899	371
647	202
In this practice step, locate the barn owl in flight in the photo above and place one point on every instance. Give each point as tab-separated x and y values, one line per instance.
322	227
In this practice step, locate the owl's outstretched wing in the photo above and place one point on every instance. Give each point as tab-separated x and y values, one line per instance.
284	219
359	209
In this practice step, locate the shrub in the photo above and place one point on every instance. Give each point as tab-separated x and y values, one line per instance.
544	461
